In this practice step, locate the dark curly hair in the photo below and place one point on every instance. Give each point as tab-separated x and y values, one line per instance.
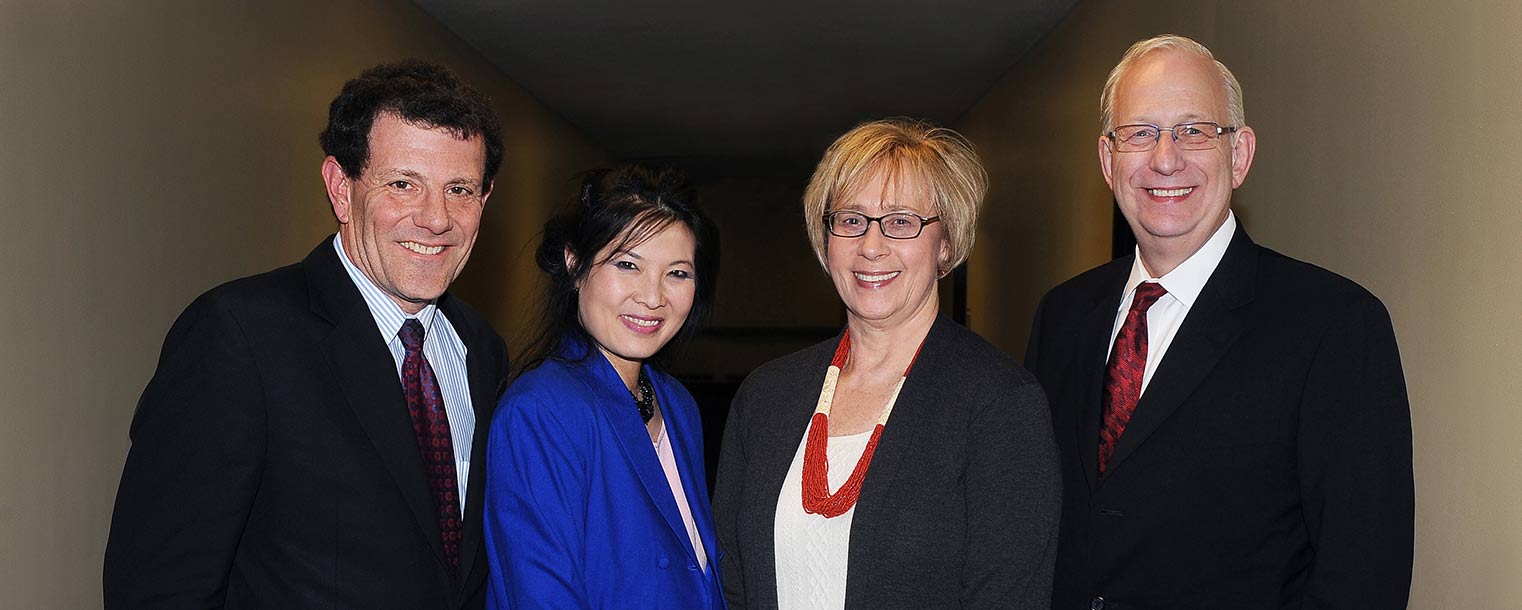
419	93
621	206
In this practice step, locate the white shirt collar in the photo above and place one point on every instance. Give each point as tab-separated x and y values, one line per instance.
1186	281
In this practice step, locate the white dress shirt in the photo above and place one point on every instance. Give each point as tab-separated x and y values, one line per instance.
445	353
1183	284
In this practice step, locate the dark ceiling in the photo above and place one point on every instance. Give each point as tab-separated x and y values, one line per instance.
682	78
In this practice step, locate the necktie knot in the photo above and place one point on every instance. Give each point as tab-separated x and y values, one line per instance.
1146	295
412	335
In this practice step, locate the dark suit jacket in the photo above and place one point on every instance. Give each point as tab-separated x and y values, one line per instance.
274	465
958	509
1268	464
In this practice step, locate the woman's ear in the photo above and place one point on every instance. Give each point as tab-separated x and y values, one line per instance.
570	265
943	258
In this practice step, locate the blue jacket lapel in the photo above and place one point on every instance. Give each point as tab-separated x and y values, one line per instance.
687	447
634	440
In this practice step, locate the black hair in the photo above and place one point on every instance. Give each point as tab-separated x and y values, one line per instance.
620	207
419	93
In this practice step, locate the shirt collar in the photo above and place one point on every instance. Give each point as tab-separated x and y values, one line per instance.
388	316
1187	280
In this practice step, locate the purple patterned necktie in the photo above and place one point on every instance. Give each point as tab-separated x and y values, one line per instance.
1123	376
431	424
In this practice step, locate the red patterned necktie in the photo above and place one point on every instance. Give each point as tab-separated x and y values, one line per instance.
431	424
1123	376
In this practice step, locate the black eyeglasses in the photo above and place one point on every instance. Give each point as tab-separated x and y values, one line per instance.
1196	135
898	225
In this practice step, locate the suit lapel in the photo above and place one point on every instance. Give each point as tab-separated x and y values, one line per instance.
1093	355
1210	329
485	386
367	378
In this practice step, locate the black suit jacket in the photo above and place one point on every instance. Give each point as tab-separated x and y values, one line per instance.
1268	464
959	506
273	461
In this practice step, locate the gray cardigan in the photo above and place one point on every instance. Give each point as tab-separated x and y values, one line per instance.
960	505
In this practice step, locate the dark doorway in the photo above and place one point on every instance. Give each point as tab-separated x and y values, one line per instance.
1122	241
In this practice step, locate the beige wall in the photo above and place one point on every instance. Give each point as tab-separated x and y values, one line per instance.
150	151
1389	150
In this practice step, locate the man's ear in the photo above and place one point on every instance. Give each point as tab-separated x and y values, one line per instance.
1105	159
339	188
1242	148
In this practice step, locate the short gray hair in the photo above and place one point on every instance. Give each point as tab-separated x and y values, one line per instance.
1170	42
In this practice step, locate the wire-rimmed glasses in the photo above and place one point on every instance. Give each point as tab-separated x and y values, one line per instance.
1139	137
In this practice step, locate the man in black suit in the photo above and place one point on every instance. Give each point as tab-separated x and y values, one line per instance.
1233	423
308	438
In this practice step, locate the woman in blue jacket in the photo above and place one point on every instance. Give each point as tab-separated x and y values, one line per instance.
596	496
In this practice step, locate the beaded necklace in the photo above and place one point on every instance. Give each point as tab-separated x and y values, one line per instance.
817	498
645	399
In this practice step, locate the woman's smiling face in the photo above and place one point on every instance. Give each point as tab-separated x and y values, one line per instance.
882	280
635	300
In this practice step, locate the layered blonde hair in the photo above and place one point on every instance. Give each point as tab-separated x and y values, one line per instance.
938	160
1235	112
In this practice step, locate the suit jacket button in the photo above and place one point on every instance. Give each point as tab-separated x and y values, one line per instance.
664	562
1097	604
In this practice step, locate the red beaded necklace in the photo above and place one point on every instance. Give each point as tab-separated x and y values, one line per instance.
817	498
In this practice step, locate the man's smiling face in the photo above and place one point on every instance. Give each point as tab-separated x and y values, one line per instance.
411	217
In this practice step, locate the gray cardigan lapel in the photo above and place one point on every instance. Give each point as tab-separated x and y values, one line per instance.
772	449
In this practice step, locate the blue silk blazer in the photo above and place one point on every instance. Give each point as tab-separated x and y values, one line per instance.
578	510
